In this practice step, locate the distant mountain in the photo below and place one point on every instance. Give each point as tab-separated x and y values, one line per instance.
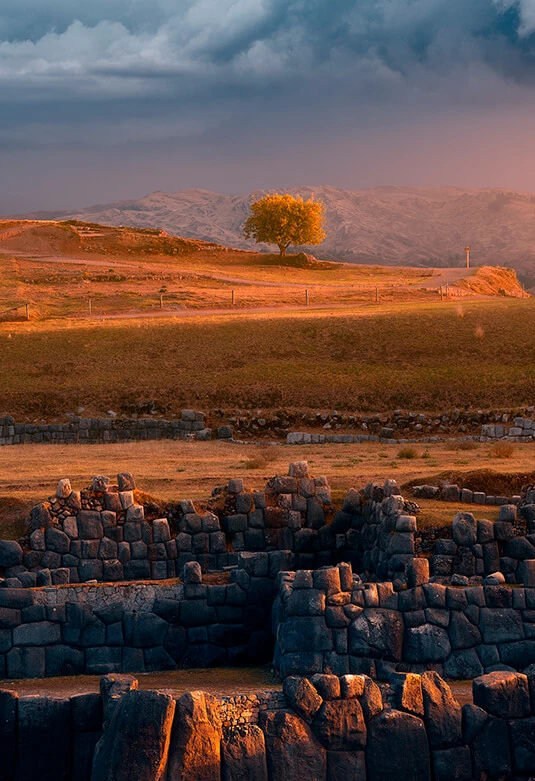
383	225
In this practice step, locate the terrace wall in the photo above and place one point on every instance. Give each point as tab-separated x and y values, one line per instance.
328	622
323	729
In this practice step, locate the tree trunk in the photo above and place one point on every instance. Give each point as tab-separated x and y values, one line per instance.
282	250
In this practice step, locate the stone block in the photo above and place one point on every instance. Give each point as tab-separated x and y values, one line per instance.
427	643
293	752
464	529
10	553
90	525
452	764
397	748
503	694
44	738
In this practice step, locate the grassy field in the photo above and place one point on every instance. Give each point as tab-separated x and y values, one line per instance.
171	471
415	356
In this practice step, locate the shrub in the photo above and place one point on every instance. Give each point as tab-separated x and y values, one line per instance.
502	450
408	451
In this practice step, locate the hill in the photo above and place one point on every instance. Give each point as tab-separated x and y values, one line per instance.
384	225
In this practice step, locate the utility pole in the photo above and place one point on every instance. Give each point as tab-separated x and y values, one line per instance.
467	252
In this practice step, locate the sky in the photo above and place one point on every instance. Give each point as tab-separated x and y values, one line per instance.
112	99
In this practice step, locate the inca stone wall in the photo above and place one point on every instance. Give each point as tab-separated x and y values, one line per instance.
190	425
69	630
325	728
328	621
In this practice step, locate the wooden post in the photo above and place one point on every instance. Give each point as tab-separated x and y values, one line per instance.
233	298
441	293
306	297
89	305
447	289
27	311
161	300
376	294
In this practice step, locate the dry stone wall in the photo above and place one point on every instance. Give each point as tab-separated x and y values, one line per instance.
79	430
328	621
324	729
70	630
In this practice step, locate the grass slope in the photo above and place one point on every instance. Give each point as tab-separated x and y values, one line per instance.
417	356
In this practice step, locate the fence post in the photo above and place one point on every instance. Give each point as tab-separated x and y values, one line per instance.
89	305
306	297
233	298
161	300
376	294
27	311
441	293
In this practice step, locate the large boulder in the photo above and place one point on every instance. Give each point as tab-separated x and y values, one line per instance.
523	743
340	725
244	754
350	765
8	732
377	633
135	744
464	529
503	694
43	739
10	553
293	752
426	643
491	751
452	764
397	748
195	752
442	712
302	697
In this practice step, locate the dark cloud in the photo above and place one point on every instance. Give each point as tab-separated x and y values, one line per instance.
114	73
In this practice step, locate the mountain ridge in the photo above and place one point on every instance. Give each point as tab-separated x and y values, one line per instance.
386	225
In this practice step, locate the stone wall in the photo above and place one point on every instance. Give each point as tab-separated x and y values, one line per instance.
66	630
322	729
101	533
452	493
522	429
327	621
190	425
375	531
502	550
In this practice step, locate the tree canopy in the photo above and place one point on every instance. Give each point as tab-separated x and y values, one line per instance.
284	220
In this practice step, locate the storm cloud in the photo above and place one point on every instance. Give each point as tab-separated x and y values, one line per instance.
161	79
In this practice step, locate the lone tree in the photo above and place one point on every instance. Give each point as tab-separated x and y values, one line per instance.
284	220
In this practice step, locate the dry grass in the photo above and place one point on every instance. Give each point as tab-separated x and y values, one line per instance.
407	452
461	445
413	356
502	450
261	459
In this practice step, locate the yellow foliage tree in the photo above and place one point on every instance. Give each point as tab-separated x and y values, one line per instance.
284	220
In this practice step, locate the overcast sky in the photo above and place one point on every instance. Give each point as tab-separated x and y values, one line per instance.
102	100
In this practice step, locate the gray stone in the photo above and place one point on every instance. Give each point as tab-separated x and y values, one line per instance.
293	752
462	665
302	697
244	754
464	529
397	748
427	643
377	633
90	525
452	764
500	625
503	694
442	712
10	553
44	739
135	744
126	481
